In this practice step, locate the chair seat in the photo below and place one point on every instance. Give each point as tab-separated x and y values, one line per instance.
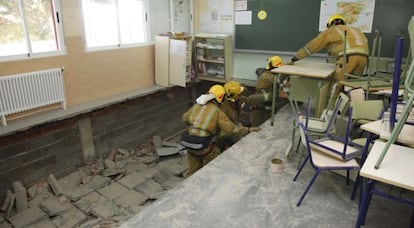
322	160
323	144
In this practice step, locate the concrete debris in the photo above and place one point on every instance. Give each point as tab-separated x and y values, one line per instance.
91	222
121	155
27	217
170	144
105	210
131	198
10	207
43	223
69	218
7	200
40	198
112	172
148	187
109	164
131	180
157	141
113	191
38	188
167	151
103	194
54	184
100	164
21	196
57	206
90	201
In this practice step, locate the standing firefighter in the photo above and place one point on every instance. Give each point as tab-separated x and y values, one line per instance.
206	121
334	39
261	100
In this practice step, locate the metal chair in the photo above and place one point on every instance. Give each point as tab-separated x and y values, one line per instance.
319	160
317	127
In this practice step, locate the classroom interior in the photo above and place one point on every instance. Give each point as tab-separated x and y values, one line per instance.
119	98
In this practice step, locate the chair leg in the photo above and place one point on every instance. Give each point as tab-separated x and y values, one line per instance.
308	187
301	155
356	184
347	177
366	198
301	167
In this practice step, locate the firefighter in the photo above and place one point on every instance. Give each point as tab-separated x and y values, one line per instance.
206	120
261	101
332	39
232	106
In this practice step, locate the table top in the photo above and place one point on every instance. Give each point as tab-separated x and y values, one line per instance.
381	128
307	69
396	169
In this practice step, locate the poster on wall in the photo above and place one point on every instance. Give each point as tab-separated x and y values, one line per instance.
357	13
218	18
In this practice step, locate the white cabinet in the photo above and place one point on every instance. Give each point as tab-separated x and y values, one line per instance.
173	60
214	57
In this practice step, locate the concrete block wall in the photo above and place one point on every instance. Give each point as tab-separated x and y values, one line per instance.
59	148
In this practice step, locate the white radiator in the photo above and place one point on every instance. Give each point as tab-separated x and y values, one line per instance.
23	92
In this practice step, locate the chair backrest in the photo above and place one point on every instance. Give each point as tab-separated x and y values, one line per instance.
344	99
357	94
367	110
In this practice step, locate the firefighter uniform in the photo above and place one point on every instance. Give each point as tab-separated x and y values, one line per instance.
206	121
261	100
333	39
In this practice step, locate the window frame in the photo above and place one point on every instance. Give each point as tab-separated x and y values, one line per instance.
118	46
60	37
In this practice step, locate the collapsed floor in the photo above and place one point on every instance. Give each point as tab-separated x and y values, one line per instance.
103	194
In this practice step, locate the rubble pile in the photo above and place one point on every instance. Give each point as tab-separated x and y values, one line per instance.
102	194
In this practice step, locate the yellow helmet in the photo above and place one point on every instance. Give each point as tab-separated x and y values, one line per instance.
233	88
333	18
274	62
218	92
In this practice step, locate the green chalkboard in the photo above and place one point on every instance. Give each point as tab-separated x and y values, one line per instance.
292	23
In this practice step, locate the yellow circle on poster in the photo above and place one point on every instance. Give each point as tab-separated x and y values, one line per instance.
262	14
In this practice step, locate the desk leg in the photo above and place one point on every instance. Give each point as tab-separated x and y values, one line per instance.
272	116
366	198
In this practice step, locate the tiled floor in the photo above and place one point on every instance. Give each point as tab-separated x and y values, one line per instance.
238	189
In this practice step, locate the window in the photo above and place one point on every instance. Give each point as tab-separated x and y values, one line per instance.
114	23
30	28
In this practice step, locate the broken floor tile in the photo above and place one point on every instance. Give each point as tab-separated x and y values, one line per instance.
149	187
132	180
112	172
5	225
132	165
149	172
27	217
167	151
7	200
75	193
69	218
90	201
55	207
97	182
131	198
91	222
171	182
40	198
44	223
113	190
105	210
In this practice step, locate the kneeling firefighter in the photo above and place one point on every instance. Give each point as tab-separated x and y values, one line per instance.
206	120
232	106
261	101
